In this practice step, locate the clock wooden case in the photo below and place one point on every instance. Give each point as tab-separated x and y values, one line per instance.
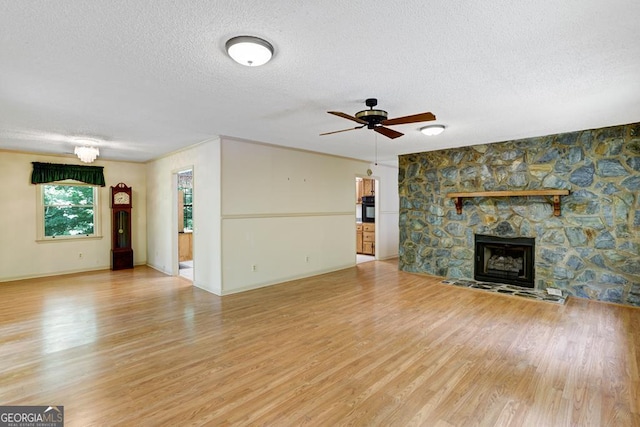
121	250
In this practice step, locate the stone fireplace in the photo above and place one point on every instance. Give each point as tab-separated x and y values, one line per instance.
588	247
504	260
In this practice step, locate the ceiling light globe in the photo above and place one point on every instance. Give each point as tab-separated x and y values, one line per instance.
249	51
432	130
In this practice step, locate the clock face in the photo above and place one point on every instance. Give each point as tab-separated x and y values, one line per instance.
121	198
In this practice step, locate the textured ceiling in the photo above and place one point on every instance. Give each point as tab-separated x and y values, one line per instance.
150	77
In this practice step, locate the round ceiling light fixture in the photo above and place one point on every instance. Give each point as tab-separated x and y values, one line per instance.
250	51
432	130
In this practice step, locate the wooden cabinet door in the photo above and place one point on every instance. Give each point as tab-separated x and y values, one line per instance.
368	242
184	246
369	238
368	187
367	248
180	211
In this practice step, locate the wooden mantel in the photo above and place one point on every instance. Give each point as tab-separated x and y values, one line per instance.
518	193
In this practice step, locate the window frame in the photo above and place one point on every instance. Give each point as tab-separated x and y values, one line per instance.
97	217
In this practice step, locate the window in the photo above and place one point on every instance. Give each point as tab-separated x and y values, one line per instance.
187	208
185	200
68	210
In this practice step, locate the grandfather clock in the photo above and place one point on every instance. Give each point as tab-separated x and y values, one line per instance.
121	251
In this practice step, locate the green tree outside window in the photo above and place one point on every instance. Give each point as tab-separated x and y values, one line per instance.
187	208
69	210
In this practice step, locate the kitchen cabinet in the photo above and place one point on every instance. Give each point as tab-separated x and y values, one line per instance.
185	243
367	248
180	211
364	187
368	187
366	238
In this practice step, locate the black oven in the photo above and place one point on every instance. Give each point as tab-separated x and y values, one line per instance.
368	209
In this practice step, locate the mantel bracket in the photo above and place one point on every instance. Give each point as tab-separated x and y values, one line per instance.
556	205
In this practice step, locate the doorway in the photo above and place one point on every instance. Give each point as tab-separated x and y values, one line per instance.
185	224
365	219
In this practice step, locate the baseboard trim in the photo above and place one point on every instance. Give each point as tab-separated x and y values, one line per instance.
158	269
285	279
59	273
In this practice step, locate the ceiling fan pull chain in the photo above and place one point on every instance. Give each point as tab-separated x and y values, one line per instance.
376	144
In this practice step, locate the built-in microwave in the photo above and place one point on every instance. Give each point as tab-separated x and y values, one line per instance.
368	209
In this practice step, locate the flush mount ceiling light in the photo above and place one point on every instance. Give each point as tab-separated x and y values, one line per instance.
250	51
86	154
432	130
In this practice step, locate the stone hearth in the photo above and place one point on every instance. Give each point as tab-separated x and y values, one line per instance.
503	289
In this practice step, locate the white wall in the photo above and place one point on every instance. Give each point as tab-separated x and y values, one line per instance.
289	213
204	159
387	210
21	256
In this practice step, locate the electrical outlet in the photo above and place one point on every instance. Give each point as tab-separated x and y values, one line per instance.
254	267
306	258
554	291
80	255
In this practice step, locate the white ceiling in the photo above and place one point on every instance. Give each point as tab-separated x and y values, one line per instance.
148	77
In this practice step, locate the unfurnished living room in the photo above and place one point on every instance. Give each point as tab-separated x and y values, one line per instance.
485	157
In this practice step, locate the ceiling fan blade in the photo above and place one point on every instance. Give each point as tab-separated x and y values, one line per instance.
422	117
343	130
389	133
346	116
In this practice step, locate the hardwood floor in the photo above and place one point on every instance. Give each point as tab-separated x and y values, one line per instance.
367	345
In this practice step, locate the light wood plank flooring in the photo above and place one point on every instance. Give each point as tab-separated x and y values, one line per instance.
368	345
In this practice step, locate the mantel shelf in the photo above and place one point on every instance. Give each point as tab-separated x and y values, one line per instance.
509	193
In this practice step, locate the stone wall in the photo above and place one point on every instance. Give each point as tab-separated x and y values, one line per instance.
592	250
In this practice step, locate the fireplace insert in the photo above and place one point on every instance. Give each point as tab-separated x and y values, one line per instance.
505	260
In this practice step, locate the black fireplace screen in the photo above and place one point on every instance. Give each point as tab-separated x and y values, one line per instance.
505	260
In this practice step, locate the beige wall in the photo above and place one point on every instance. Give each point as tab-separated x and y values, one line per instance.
21	256
288	212
204	159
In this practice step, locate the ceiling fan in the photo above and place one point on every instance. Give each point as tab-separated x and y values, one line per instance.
377	120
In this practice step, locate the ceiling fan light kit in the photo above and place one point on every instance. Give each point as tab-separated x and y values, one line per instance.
371	117
432	130
377	120
249	50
